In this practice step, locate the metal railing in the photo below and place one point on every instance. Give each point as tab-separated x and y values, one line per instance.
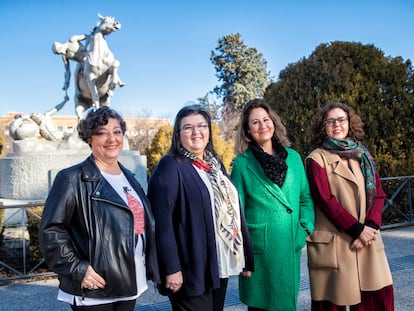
22	210
399	203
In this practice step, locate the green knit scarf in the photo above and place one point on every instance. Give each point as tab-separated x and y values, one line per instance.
356	150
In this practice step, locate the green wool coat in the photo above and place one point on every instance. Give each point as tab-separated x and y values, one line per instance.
279	220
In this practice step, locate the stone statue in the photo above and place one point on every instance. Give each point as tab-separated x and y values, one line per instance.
23	127
35	124
40	149
47	128
96	74
26	130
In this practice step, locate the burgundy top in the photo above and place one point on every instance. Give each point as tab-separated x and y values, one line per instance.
333	210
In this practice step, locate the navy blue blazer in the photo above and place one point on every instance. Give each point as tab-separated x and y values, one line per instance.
184	226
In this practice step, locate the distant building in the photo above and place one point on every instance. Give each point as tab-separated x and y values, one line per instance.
140	131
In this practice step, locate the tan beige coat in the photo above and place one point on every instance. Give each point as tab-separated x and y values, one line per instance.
336	272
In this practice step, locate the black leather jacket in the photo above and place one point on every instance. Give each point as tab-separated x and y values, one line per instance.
85	222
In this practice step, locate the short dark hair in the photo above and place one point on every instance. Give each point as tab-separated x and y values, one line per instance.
184	112
95	119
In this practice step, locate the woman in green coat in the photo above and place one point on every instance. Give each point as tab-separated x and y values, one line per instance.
275	196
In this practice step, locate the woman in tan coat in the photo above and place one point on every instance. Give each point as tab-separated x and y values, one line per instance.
346	257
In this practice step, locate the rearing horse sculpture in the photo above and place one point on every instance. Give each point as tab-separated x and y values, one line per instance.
96	74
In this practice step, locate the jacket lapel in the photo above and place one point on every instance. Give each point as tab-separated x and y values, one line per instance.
339	167
257	171
104	191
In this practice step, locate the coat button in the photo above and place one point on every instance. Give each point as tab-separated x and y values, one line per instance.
98	193
289	211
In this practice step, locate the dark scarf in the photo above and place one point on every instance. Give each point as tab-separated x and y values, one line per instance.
356	150
274	166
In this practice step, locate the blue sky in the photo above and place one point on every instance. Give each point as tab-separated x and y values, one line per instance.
164	46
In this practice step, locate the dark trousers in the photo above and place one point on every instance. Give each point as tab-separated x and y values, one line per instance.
219	294
379	300
128	305
212	299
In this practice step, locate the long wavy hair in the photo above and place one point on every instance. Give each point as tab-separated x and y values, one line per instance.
243	137
184	112
317	132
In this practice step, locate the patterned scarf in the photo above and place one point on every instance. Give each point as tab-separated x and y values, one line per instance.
356	150
196	161
274	166
226	203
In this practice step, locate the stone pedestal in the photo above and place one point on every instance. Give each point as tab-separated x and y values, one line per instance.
28	176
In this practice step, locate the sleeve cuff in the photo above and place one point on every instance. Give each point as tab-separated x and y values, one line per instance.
355	230
371	224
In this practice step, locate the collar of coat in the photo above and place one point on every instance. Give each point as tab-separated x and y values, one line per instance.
91	173
256	170
340	167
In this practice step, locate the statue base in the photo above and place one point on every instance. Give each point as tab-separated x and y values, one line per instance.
28	176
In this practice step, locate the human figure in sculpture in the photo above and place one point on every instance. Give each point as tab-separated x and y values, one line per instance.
23	127
47	128
74	50
31	126
96	75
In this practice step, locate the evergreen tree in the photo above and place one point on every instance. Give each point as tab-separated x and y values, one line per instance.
211	105
379	88
243	74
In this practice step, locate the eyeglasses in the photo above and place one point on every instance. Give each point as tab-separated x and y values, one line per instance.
188	129
102	133
331	122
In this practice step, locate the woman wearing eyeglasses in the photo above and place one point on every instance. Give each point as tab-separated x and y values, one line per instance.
347	261
97	231
201	235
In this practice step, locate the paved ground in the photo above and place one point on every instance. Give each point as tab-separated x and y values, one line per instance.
399	245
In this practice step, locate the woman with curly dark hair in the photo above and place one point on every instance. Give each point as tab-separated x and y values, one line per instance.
97	230
346	257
